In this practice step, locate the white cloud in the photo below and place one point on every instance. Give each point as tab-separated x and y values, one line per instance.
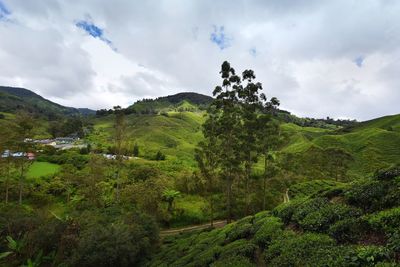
305	52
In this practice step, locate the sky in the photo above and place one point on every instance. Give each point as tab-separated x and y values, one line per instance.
336	58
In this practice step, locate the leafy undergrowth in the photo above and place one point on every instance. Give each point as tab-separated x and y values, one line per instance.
356	225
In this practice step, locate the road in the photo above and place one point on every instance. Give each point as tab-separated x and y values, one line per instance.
217	224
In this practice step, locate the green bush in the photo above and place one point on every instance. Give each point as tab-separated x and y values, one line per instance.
347	230
236	261
308	207
320	220
387	220
286	211
304	250
393	243
387	174
367	256
368	195
239	231
270	229
240	247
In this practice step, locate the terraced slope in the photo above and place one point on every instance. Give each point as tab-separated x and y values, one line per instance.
175	134
373	144
339	226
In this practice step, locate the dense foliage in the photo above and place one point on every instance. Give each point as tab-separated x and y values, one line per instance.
328	228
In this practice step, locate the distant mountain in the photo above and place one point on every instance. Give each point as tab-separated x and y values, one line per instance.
180	102
13	99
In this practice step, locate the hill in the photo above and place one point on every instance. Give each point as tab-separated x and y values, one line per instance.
13	99
372	145
336	225
178	102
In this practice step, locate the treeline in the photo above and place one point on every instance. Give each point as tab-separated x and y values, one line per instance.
327	123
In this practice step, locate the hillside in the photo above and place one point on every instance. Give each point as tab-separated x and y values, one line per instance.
178	102
175	133
334	225
372	145
14	99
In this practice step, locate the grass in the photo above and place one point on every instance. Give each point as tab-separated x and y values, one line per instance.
175	134
40	169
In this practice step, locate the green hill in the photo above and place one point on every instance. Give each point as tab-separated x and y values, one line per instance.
372	144
336	225
178	102
14	99
175	134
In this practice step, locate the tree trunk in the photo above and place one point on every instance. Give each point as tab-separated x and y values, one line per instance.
211	211
7	190
265	181
247	196
229	198
21	177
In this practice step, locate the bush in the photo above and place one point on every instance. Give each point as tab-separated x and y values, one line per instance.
368	195
308	207
387	174
304	250
270	229
286	211
394	243
320	220
387	220
239	247
240	229
233	262
347	230
159	156
367	256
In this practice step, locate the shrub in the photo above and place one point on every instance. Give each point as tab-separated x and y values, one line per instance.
304	250
308	207
285	211
270	229
160	156
394	243
347	230
367	256
320	220
239	247
387	220
367	195
240	229
233	262
387	174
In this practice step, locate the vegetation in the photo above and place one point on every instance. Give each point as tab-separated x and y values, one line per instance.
322	229
301	192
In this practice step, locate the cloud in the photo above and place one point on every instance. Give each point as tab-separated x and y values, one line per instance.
219	37
320	58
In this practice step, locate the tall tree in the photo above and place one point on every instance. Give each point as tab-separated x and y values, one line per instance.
268	139
24	128
251	103
207	158
120	139
225	136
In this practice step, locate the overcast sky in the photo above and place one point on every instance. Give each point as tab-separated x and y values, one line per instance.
320	58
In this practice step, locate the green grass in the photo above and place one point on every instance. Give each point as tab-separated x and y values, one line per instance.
373	144
190	209
40	169
175	134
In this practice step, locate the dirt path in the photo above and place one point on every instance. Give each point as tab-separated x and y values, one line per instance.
217	224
